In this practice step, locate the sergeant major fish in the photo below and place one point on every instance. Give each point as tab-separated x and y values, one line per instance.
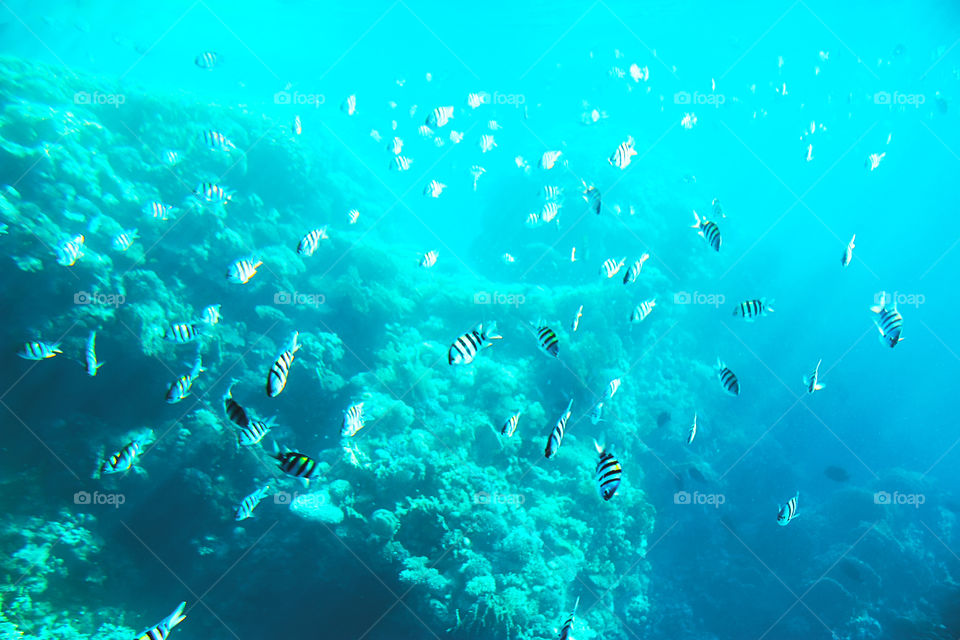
254	432
728	379
547	341
240	271
889	323
576	319
124	240
510	425
556	436
162	630
465	349
708	230
788	512
812	381
643	310
309	243
848	252
750	310
91	355
122	460
623	154
180	388
567	629
277	376
234	412
440	116
293	463
249	503
611	267
39	350
353	420
693	430
69	251
608	472
634	271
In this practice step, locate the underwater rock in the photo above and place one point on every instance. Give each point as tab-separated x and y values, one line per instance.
384	524
837	474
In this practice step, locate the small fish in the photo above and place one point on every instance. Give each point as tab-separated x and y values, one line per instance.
487	143
612	388
39	350
69	251
439	141
181	332
576	320
567	629
353	420
232	409
552	193
693	430
91	355
812	381
617	72
508	259
810	152
708	230
890	322
171	158
425	131
608	472
848	252
549	212
277	377
162	630
207	60
212	193
297	126
634	271
456	137
493	125
353	215
248	504
310	242
295	464
216	141
349	105
728	379
434	189
788	512
573	254
688	121
549	159
395	146
123	240
638	73
596	414
210	314
533	220
643	310
611	267
180	388
474	100
510	426
254	432
556	436
873	160
476	171
429	259
400	163
623	154
468	346
717	208
158	210
750	310
376	135
592	197
242	270
547	341
440	116
122	460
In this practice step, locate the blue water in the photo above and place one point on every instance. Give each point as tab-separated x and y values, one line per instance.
774	109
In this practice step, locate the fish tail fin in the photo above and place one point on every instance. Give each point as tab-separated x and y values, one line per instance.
696	225
598	446
176	617
490	331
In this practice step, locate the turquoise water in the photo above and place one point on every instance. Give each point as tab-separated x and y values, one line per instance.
807	122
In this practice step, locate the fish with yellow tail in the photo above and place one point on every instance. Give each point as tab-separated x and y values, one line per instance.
556	436
161	630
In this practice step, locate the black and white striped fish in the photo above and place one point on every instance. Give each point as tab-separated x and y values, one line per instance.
440	116
549	159
634	271
728	379
547	341
297	126
400	163
349	105
576	319
69	251
180	388
611	267
889	323
353	420
474	100
254	432
612	388
567	629
788	512
232	409
643	310
708	230
467	346
592	197
750	310
556	436
549	211
122	460
181	332
242	270
623	154
693	430
207	60
848	252
434	188
91	355
424	131
39	350
510	426
608	472
395	146
216	141
429	259
210	314
812	381
533	220
162	630
310	242
487	143
213	193
298	465
552	193
249	503
277	377
124	240
159	210
353	215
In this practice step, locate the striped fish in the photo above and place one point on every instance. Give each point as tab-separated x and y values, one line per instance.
533	220
122	460
467	346
456	137
612	388
353	420
812	381
39	350
162	630
749	310
728	379
643	310
596	414
254	432
548	341
395	146
400	163
69	251
510	426
216	141
717	208
576	320
158	210
592	197
171	158
429	259
297	126
476	171
556	436
124	240
181	333
232	409
349	105
634	271
210	314
567	629
353	215
508	259
180	388
298	465
277	377
493	125
242	270
611	267
310	242
550	211
487	143
693	430
474	100
91	355
440	116
549	159
212	193
207	60
623	154
617	72
608	472
889	323
248	504
424	131
848	252
707	230
552	193
788	512
434	188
